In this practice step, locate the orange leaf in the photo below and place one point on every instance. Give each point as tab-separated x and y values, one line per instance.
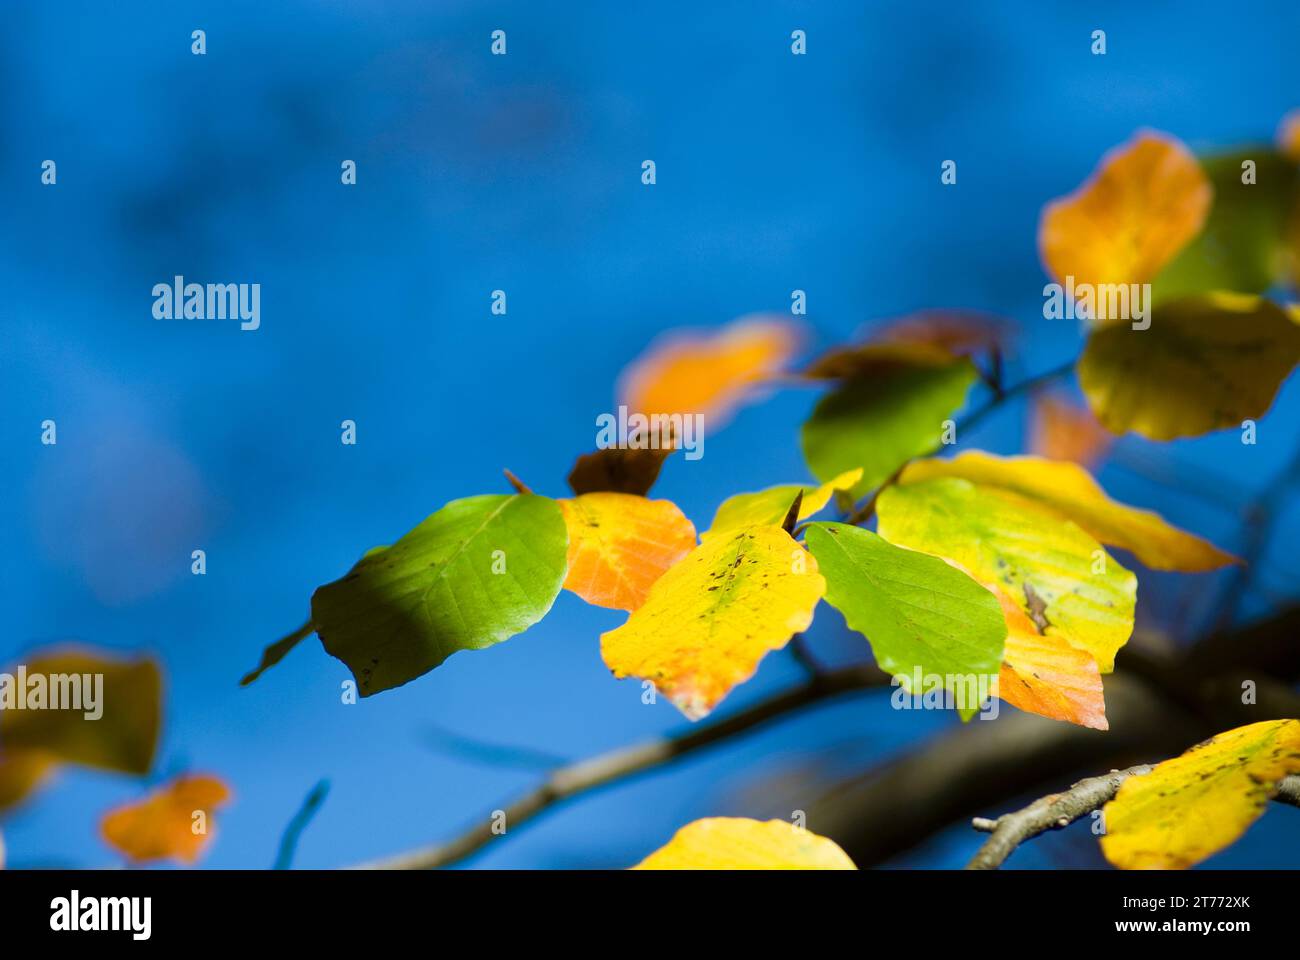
1146	200
1044	674
957	332
1288	136
1061	430
708	373
620	544
164	825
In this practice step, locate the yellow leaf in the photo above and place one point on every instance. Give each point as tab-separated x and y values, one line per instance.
1054	570
1205	364
166	825
711	618
771	505
1061	430
708	373
1044	674
620	544
21	772
1146	200
1193	806
735	843
1071	491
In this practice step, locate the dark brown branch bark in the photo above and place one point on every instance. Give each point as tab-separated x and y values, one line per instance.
621	764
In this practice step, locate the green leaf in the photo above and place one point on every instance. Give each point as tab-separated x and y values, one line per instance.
477	572
1059	575
918	612
1206	363
1243	243
881	422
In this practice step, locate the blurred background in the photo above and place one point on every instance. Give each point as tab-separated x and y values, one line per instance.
522	172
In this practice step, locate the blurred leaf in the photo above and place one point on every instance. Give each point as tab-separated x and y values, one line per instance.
1071	491
477	572
881	422
875	359
1063	430
620	544
956	332
1288	136
617	470
1057	573
1205	364
122	738
1243	244
1145	201
919	613
735	843
1046	675
163	825
713	616
769	507
1193	806
708	372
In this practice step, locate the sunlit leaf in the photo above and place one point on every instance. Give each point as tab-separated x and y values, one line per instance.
1193	806
1146	201
920	614
878	423
708	372
734	843
771	505
714	615
477	572
175	822
1205	364
620	544
1062	430
1046	675
1055	571
1071	491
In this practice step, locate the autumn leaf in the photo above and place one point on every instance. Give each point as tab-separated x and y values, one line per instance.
1146	200
956	332
1206	363
620	544
1054	570
714	615
175	822
878	423
1046	675
121	738
618	470
708	373
1288	136
1071	491
1062	430
770	506
1193	806
876	359
735	843
477	572
920	614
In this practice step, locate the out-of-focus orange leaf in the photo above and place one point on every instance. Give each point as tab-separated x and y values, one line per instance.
1146	200
957	332
715	614
175	822
1046	675
1061	430
1288	136
736	843
708	373
620	544
873	359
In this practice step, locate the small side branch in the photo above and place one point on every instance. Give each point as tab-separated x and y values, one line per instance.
1050	813
1288	790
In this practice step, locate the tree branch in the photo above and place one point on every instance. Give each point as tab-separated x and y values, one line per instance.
1288	790
621	764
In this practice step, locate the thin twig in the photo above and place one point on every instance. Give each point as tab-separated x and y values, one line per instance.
621	764
277	652
519	485
289	841
1050	813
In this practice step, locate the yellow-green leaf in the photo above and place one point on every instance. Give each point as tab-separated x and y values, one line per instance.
735	843
1071	491
1193	806
771	505
1054	570
711	618
1205	364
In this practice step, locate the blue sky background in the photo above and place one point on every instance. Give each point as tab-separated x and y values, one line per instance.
520	172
